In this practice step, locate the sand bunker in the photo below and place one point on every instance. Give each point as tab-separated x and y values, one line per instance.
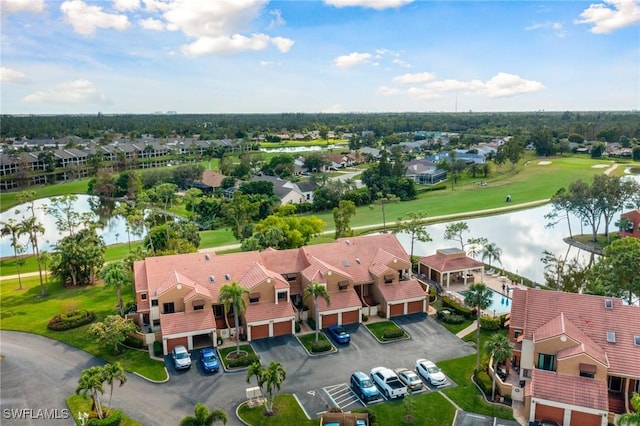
599	166
544	163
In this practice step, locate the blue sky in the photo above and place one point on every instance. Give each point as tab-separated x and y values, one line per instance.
242	56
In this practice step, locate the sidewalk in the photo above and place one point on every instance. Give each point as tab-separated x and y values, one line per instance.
473	327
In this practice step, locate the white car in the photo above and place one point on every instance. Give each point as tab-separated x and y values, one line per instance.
409	378
181	358
430	372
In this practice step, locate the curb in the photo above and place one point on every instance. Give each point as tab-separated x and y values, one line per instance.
386	342
332	351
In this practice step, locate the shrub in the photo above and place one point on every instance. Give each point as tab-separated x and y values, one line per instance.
320	346
382	314
484	381
71	308
63	321
297	327
490	323
453	319
157	348
133	342
393	334
460	309
312	323
242	361
114	419
365	318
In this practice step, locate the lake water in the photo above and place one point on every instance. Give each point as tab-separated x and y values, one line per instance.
522	236
113	232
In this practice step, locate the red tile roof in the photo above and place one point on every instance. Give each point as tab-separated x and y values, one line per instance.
574	390
211	178
532	309
268	311
340	300
442	263
402	290
183	322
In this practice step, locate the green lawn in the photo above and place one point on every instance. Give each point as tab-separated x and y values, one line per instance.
23	310
431	409
288	412
225	352
79	404
379	329
8	198
308	339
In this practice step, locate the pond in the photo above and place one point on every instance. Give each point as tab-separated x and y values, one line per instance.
522	236
114	228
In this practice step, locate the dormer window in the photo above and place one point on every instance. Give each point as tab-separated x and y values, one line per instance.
608	303
343	285
254	297
388	279
611	336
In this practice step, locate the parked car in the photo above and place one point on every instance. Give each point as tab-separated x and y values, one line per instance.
431	373
388	382
209	361
364	387
339	334
181	358
409	378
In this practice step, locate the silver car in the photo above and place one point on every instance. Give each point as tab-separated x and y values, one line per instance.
181	358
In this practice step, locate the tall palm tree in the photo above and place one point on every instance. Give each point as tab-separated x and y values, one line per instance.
501	349
475	246
257	370
491	251
113	373
32	228
314	291
13	228
115	275
631	419
90	383
479	297
274	375
204	417
232	295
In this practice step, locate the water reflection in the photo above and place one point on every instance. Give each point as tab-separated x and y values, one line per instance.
113	231
521	235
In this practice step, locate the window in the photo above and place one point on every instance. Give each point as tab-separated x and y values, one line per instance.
526	373
517	334
608	303
636	340
254	297
282	295
615	383
198	307
143	296
587	370
343	285
388	279
145	319
611	336
154	302
168	308
636	387
546	362
218	311
586	374
156	322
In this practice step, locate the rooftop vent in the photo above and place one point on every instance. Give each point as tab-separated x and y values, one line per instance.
206	257
358	261
212	278
611	336
608	303
347	242
227	277
345	262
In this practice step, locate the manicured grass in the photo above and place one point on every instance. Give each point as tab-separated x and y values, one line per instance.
23	310
308	339
79	404
288	412
297	143
224	352
381	327
455	328
8	199
431	409
216	238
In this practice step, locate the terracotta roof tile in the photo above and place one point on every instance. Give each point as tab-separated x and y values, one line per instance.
268	311
340	300
182	322
402	290
574	390
440	262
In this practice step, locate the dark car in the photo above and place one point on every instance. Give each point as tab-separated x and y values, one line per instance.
209	361
339	334
364	387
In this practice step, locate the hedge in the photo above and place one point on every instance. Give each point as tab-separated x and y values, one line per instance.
393	334
487	323
157	348
114	419
242	361
312	323
321	346
63	322
485	382
461	309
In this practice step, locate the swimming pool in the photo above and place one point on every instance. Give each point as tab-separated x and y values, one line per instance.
500	303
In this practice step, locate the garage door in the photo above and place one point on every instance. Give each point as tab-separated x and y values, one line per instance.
328	320
282	328
259	331
351	317
585	419
172	343
415	307
397	309
549	413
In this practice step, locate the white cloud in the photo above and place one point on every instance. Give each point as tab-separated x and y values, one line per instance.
235	43
72	92
278	20
153	6
372	4
85	19
402	63
151	24
500	85
126	5
15	6
611	15
283	44
556	27
421	77
333	109
352	59
9	75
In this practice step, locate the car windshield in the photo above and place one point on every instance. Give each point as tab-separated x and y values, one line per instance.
434	370
340	331
182	355
208	357
367	383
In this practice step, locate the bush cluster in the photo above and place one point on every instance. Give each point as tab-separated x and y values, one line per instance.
298	327
393	334
453	319
157	348
63	322
490	323
312	323
484	381
382	314
134	342
460	309
243	361
114	419
320	346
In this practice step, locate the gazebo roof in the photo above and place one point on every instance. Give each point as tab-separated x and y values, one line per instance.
450	260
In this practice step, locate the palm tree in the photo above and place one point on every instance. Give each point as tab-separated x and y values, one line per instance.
274	376
475	246
204	417
13	228
232	295
113	373
90	382
315	290
115	275
501	349
491	251
257	370
631	419
479	297
32	228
